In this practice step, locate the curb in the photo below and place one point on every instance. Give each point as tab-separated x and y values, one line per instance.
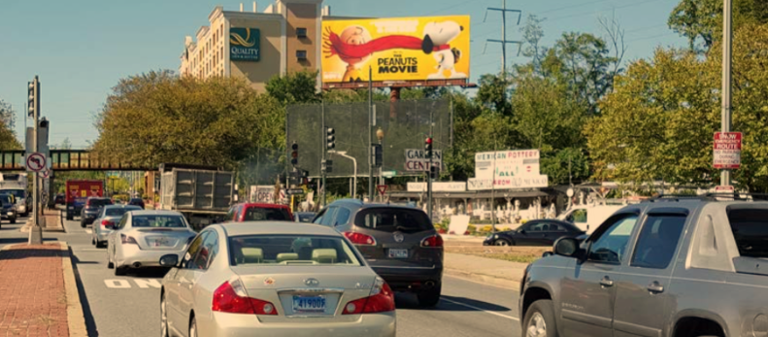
481	278
75	315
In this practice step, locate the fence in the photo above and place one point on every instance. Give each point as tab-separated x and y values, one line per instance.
405	124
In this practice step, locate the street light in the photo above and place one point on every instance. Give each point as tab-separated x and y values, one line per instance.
354	166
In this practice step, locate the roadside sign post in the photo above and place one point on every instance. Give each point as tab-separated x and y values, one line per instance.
35	161
726	153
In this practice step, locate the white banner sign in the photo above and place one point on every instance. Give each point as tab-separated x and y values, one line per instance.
451	186
474	184
415	161
506	164
266	194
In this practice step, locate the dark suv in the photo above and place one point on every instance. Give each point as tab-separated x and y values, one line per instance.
137	202
400	244
91	209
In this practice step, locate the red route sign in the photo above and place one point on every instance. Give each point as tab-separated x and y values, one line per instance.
726	153
382	189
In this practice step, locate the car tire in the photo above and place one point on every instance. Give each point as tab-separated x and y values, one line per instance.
100	244
540	320
13	220
110	265
120	271
164	317
503	243
430	297
82	224
193	327
93	241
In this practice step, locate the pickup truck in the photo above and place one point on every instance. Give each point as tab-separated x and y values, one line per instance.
680	267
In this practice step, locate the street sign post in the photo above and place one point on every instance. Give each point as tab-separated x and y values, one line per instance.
723	190
727	150
46	173
36	162
382	189
389	174
294	191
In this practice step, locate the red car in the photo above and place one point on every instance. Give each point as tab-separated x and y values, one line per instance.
258	212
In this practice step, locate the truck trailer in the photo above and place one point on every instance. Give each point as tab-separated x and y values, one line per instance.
78	191
203	194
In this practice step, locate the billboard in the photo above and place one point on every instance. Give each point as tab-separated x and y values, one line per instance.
397	49
506	164
415	161
244	44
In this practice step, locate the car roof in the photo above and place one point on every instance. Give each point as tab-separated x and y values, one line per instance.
121	206
360	204
155	212
275	228
262	205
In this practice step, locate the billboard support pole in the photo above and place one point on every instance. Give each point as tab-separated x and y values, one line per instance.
370	134
725	176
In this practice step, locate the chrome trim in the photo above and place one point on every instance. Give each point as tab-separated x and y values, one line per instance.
311	290
375	267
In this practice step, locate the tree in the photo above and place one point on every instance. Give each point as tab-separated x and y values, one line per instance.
701	21
297	87
494	93
8	140
157	117
659	121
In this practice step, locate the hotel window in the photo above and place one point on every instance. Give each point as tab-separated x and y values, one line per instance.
301	55
301	33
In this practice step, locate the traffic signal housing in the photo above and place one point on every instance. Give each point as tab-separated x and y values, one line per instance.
428	148
434	172
294	154
330	135
33	98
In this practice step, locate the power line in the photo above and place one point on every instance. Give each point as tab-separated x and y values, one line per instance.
652	37
504	40
571	6
463	3
603	10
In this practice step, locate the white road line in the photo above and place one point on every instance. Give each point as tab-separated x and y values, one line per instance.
89	231
480	309
90	250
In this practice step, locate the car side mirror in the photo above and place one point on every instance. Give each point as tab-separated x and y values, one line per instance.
568	247
169	260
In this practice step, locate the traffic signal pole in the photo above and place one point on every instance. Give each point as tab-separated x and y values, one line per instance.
36	232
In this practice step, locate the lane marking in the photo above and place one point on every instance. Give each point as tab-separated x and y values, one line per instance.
90	250
143	283
481	309
117	284
89	231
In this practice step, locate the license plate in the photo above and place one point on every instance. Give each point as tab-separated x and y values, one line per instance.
398	253
308	304
160	242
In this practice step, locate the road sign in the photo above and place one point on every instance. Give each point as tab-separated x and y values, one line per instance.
388	174
46	174
724	190
294	191
382	189
36	162
727	150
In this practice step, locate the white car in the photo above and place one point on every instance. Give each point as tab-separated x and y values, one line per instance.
273	279
142	237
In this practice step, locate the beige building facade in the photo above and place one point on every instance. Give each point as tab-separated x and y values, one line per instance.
256	46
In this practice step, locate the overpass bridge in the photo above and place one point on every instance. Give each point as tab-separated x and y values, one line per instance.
66	160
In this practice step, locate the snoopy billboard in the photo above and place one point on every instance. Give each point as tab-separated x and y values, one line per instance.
397	49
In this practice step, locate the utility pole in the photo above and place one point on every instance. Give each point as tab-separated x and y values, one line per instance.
324	153
36	232
725	176
503	40
370	134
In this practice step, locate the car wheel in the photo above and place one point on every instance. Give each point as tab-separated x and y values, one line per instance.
13	220
82	224
93	241
540	320
163	317
110	265
99	244
120	271
193	328
430	297
503	242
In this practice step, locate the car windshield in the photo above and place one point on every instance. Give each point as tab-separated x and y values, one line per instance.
6	198
266	214
19	194
119	211
394	220
136	201
291	250
99	202
167	221
306	217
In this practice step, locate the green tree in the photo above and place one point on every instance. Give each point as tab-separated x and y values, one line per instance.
701	21
8	140
297	87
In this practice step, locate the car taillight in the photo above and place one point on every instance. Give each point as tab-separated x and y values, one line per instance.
381	299
231	297
127	239
106	223
433	241
360	238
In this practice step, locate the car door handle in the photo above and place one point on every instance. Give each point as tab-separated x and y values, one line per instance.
606	282
655	287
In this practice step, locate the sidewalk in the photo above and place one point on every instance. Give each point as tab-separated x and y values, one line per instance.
50	221
505	274
39	292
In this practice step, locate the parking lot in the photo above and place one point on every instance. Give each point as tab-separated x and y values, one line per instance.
129	305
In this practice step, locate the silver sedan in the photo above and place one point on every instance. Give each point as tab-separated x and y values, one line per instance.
273	279
142	237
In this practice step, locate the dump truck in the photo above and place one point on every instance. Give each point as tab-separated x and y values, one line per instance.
203	194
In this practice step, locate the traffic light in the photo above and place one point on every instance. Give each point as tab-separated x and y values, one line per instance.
428	148
327	166
378	155
434	172
331	138
295	154
33	98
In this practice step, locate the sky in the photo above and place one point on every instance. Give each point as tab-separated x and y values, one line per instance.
80	49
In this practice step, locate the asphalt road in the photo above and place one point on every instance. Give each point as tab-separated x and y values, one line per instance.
117	306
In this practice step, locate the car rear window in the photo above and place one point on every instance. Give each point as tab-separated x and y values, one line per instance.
291	250
266	214
393	220
99	202
750	229
119	211
167	221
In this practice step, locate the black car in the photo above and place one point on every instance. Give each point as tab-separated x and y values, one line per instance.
91	209
59	199
400	244
534	233
136	202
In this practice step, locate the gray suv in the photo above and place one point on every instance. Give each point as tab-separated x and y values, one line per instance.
400	244
681	267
